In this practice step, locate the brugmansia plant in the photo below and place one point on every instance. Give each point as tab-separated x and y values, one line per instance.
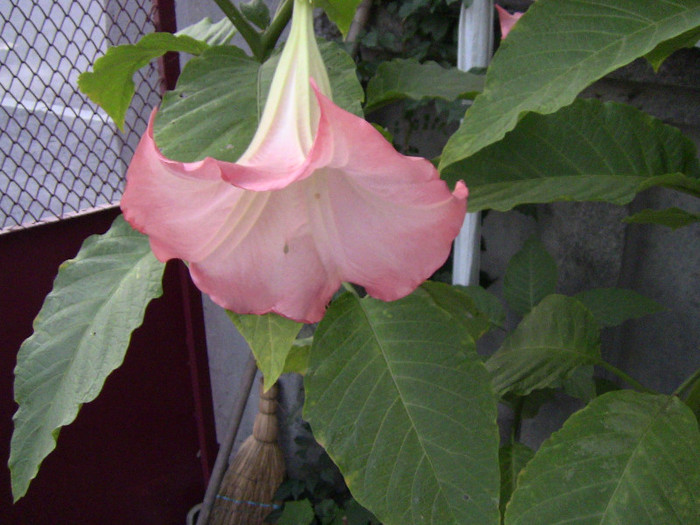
261	173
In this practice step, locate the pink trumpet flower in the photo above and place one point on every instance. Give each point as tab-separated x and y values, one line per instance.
318	198
507	20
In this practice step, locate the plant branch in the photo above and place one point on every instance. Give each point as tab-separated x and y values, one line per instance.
625	377
249	34
273	32
687	383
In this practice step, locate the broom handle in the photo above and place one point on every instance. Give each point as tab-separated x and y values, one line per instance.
221	462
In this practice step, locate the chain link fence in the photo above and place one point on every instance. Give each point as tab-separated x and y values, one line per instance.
59	153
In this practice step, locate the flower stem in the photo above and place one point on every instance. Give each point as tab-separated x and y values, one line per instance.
626	378
688	383
279	22
249	34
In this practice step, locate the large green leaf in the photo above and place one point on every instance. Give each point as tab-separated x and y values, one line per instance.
555	50
589	151
399	79
555	338
80	336
487	303
110	82
213	33
257	12
215	108
531	275
270	338
665	49
673	218
340	12
625	459
512	459
614	306
400	400
456	301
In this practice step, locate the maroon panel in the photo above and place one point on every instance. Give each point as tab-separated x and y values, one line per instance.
133	455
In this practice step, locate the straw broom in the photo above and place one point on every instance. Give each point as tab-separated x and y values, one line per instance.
245	496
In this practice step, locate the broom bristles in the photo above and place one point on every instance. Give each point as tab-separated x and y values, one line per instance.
248	488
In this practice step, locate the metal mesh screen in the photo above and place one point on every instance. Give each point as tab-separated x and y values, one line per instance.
60	154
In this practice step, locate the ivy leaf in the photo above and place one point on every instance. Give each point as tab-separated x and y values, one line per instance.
561	47
400	79
531	275
80	336
110	84
555	338
589	151
673	218
340	12
270	338
614	306
214	34
400	400
627	458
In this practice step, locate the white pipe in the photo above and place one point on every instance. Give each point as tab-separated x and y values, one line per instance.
475	47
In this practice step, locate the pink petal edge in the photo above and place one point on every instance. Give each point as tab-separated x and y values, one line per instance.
287	251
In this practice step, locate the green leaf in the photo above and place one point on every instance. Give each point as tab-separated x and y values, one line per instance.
512	459
558	48
673	218
110	84
297	513
356	514
581	383
555	338
342	72
589	151
209	114
693	399
399	79
458	304
214	34
627	458
270	338
257	12
487	303
614	306
402	403
80	336
531	275
665	49
298	358
340	12
215	108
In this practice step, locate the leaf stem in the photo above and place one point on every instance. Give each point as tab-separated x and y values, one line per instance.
625	377
249	34
687	383
517	420
273	32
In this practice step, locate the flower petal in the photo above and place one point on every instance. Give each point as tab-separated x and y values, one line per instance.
375	218
507	20
252	252
384	220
